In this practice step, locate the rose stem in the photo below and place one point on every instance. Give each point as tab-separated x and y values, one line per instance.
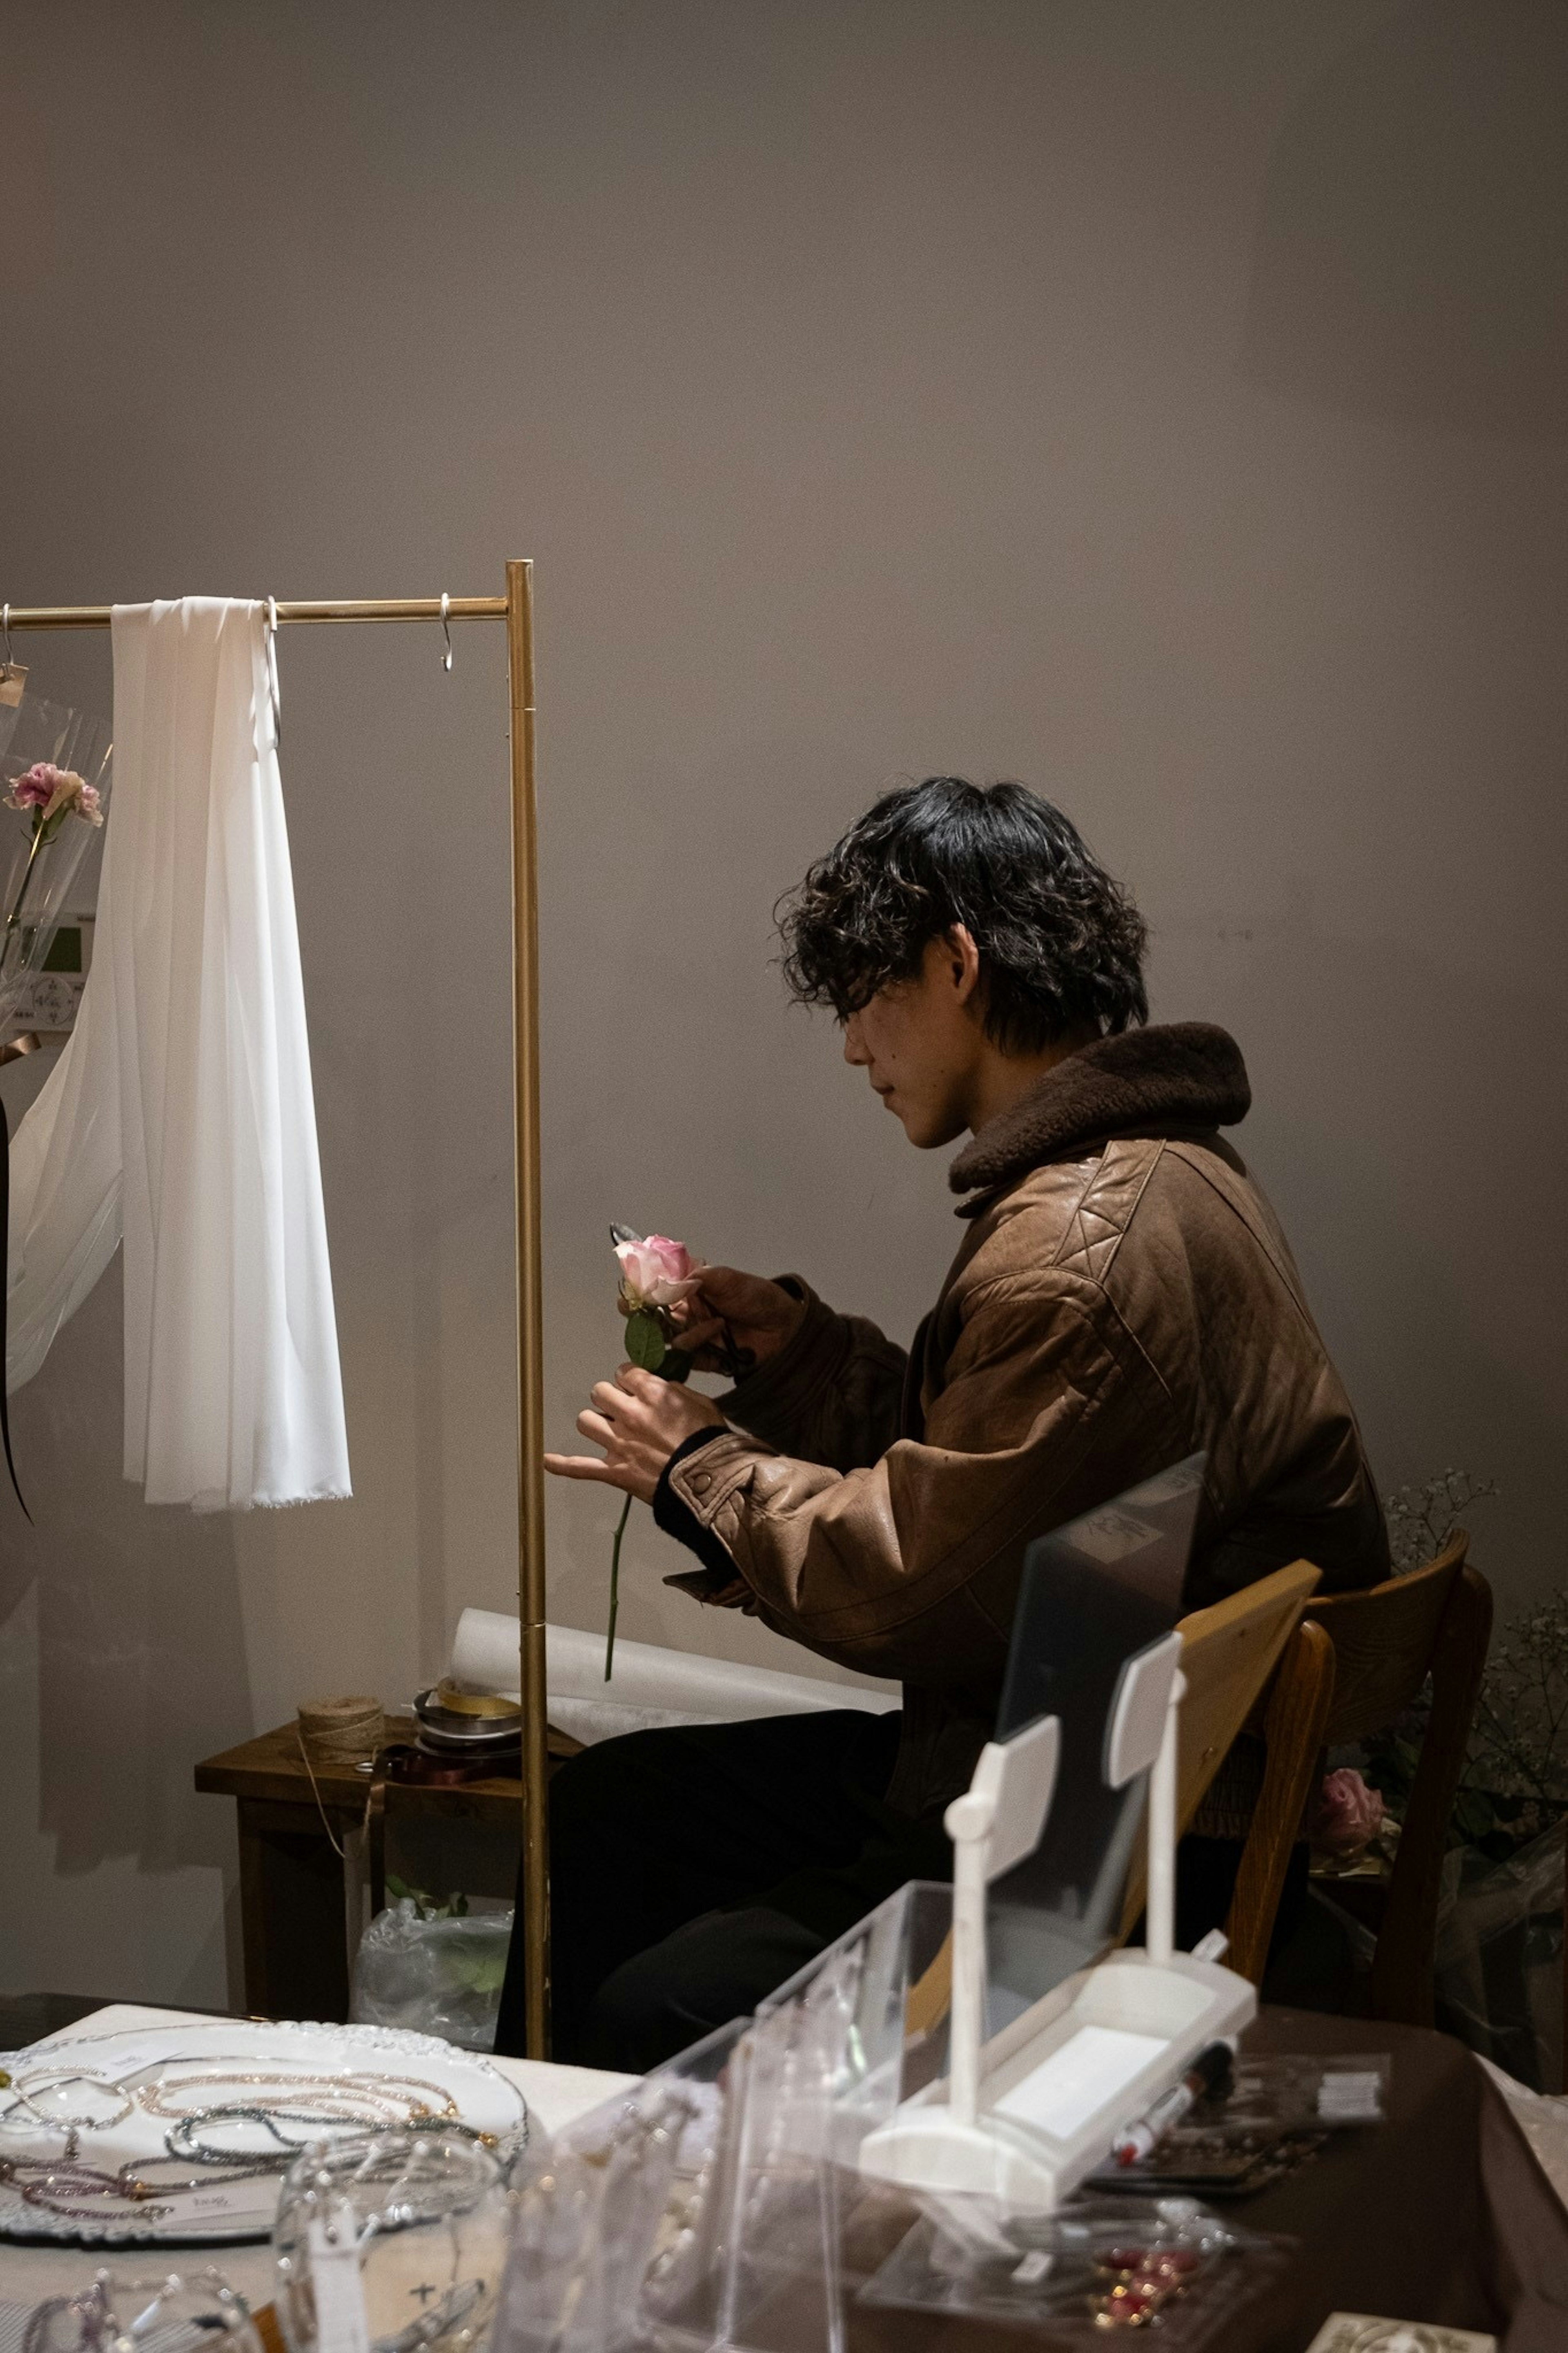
615	1585
12	918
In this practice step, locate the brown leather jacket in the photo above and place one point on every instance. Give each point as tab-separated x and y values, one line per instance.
1123	1296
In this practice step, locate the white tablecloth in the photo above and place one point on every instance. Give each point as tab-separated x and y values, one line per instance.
555	2096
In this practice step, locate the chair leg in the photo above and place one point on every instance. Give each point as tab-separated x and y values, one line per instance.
1293	1738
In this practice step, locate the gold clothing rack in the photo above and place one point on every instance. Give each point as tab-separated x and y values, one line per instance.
516	609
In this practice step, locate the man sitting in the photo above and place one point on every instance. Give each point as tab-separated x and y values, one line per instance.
1122	1297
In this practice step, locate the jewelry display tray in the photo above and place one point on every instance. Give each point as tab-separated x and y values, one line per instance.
469	2090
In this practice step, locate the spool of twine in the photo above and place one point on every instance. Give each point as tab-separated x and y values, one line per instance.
343	1733
340	1731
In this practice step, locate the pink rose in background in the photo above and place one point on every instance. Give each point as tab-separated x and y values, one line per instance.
657	1272
1345	1815
48	795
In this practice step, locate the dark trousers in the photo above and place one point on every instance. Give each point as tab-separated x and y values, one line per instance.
693	1870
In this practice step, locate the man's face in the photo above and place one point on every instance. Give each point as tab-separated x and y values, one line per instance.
918	1043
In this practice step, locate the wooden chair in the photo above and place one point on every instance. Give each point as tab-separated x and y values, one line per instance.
1229	1653
1387	1641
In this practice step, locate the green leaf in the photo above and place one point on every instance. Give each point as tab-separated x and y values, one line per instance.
425	1906
1473	1816
480	1972
646	1343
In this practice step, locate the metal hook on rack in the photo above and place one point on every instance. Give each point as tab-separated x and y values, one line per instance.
13	677
274	690
447	632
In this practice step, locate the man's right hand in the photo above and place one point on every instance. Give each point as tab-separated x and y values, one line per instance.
744	1313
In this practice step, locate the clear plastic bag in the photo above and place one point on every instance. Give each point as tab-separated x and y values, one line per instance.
1500	1963
1090	2267
1274	2115
437	1976
1543	2121
40	860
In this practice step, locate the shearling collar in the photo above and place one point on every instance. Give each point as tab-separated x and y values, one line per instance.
1181	1075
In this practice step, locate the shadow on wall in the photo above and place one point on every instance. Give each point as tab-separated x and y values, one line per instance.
1412	262
1390	1134
141	1653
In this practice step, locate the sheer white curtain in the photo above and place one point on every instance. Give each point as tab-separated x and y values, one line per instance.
181	1113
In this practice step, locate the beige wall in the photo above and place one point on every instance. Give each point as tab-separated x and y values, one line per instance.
1164	404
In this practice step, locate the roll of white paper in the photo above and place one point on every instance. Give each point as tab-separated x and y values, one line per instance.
649	1685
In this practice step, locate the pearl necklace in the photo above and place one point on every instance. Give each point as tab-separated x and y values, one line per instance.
348	2098
51	2184
28	2089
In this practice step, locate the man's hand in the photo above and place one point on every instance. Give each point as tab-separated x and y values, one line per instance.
639	1420
746	1310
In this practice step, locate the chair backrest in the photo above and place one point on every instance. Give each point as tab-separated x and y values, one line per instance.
1384	1639
1437	1621
1292	1726
1228	1654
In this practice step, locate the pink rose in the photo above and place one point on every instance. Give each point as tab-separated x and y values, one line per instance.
1345	1814
657	1272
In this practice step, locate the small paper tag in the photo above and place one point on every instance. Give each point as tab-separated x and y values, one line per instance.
13	680
334	2242
1034	2267
1350	2097
1112	1534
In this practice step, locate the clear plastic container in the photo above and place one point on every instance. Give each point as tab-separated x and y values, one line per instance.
400	2238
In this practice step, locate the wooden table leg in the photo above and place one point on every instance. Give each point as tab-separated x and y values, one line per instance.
291	1913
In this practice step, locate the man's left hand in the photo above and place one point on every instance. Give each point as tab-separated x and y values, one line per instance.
639	1420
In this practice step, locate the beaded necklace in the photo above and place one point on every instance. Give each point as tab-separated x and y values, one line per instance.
273	2102
349	2096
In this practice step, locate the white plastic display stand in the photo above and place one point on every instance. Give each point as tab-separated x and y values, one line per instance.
1022	2118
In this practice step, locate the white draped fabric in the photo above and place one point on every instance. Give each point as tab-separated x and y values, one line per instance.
180	1113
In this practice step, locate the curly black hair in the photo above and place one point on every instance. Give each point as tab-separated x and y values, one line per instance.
1061	944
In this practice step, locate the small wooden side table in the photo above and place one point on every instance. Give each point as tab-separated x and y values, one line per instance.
292	1893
